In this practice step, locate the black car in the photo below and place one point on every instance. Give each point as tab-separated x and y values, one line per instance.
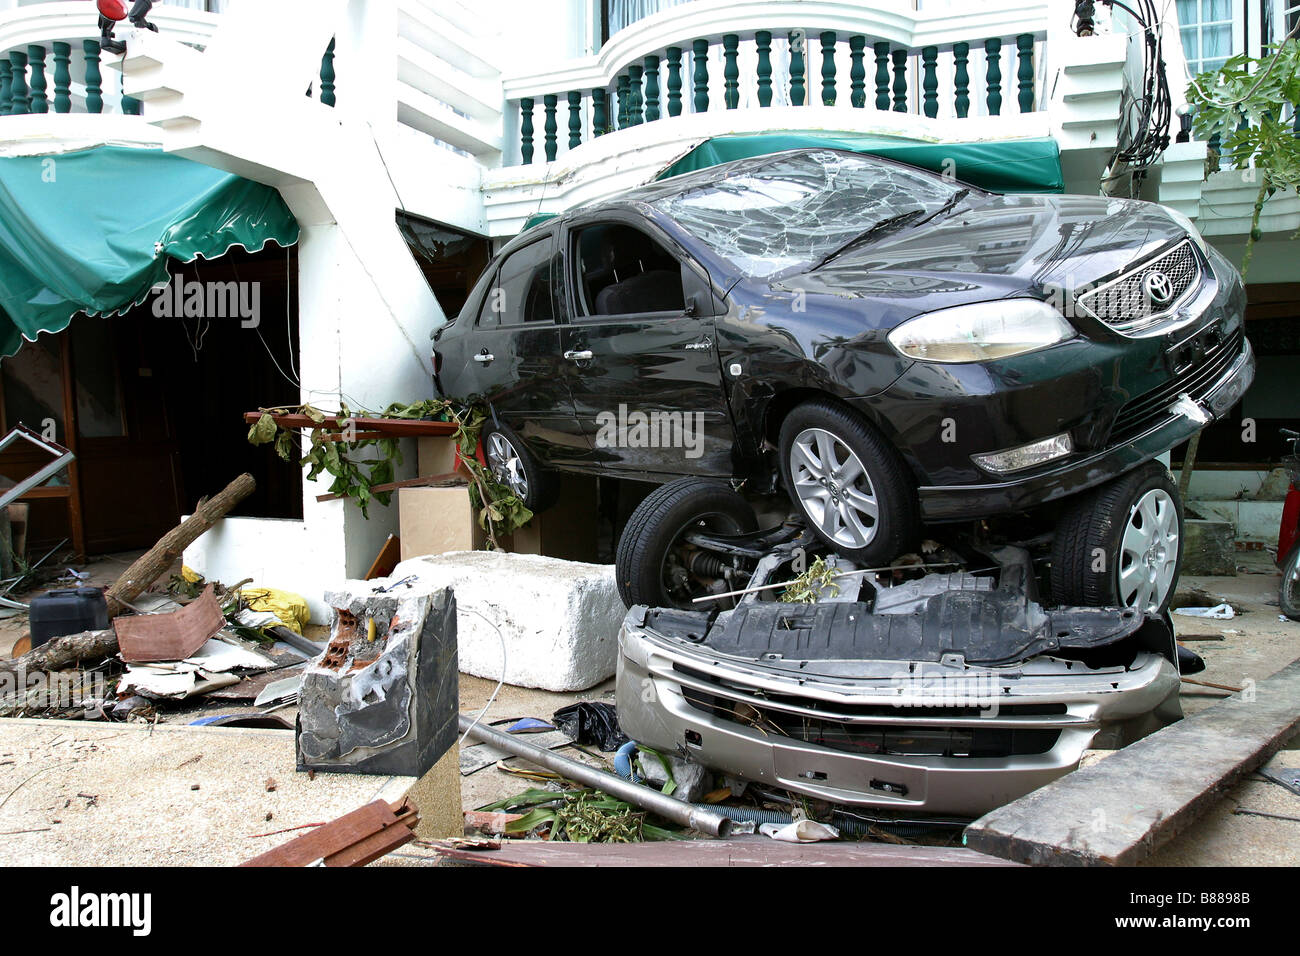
893	347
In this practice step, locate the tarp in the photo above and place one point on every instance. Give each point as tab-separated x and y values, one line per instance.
1003	166
92	231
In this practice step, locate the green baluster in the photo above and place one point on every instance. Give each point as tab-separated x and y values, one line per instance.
900	81
62	78
828	68
882	75
763	41
857	72
549	102
40	102
130	105
797	86
674	81
993	80
599	113
526	130
701	49
575	119
1025	73
961	78
634	101
651	88
94	78
930	80
624	98
6	89
730	71
328	76
20	96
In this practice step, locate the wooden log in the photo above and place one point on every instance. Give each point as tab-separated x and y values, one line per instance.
154	563
64	652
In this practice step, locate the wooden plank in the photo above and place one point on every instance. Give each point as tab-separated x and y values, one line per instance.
387	559
391	427
354	839
740	851
1119	810
169	637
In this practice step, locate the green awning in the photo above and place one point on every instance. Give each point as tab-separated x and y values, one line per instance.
92	231
1004	166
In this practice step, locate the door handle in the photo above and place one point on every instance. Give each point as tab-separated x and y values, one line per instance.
484	357
578	356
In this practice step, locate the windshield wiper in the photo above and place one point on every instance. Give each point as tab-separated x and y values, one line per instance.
891	223
955	198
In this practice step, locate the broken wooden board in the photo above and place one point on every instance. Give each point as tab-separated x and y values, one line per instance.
1119	810
741	851
354	839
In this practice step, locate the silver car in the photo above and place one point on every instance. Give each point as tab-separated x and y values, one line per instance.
946	695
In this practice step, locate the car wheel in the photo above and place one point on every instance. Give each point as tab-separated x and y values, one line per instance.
655	566
1289	593
1121	545
513	465
849	483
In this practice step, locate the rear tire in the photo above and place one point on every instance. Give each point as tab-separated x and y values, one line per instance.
1288	595
848	482
1121	545
651	563
513	465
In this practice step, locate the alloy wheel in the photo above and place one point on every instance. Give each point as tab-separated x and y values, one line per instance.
504	463
1149	551
832	484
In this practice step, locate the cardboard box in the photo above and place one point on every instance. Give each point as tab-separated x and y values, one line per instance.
435	456
437	520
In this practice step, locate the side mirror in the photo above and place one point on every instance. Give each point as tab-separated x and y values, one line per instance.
698	294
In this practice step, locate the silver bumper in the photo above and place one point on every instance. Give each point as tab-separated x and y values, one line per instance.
684	699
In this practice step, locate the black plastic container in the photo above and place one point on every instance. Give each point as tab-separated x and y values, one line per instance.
67	611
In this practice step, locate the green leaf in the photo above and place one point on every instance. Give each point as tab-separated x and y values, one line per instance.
264	431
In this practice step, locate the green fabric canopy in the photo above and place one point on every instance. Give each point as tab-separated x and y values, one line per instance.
1004	166
92	231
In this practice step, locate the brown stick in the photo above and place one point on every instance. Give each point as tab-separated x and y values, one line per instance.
153	563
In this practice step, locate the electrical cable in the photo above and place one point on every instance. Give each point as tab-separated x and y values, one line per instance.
492	699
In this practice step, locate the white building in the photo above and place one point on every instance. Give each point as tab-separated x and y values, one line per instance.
437	105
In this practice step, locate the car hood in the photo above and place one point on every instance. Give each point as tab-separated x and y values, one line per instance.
998	246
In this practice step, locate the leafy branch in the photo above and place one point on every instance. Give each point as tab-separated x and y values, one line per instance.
357	464
1241	103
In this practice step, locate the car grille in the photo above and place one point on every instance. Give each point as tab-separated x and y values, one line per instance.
1151	408
875	730
1123	303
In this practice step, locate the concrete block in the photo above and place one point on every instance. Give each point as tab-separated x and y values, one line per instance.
383	698
559	619
1209	547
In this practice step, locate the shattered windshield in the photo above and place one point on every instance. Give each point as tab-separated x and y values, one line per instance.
799	209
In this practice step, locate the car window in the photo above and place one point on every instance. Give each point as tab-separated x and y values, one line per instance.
795	210
621	270
526	288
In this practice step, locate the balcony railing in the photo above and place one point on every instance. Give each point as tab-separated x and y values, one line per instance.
714	56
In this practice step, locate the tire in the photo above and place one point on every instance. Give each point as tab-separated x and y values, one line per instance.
512	464
878	481
650	553
1288	595
1104	540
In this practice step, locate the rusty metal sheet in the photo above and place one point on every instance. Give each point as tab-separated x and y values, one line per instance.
169	637
354	839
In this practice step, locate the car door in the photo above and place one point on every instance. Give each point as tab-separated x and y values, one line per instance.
642	352
517	350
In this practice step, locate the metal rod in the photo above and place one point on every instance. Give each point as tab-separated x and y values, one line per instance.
697	818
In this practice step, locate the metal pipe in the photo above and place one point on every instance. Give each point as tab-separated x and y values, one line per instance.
697	818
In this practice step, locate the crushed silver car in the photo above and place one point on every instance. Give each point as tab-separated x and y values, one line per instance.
949	694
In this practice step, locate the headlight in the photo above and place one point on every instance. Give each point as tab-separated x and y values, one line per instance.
1189	227
981	332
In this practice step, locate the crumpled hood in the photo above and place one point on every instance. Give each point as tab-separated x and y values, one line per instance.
998	246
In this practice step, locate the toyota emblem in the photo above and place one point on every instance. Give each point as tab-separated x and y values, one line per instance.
1158	287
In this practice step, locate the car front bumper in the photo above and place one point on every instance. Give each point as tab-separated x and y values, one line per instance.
712	708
